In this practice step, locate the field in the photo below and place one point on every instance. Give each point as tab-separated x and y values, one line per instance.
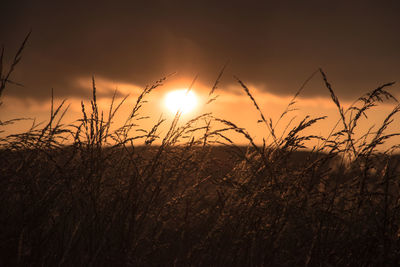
192	197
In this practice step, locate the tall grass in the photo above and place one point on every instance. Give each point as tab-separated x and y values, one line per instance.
103	200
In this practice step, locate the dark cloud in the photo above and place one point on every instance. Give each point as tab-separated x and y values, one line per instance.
273	45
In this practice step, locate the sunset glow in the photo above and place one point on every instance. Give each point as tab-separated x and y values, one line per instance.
200	133
181	100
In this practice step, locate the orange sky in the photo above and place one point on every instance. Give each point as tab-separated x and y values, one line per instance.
273	46
232	104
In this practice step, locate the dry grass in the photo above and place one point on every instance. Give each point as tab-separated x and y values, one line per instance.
105	201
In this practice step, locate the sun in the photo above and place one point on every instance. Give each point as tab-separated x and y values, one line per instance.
181	100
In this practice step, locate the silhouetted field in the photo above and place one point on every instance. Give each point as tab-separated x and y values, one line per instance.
104	201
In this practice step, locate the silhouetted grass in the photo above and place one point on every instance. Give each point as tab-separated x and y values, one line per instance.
104	201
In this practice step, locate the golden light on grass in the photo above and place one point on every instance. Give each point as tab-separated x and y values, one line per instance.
180	100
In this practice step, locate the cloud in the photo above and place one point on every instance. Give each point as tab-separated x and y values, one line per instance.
272	45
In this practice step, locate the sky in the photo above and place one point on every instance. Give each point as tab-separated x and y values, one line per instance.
272	46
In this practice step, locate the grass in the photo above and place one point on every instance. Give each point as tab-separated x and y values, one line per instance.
197	198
